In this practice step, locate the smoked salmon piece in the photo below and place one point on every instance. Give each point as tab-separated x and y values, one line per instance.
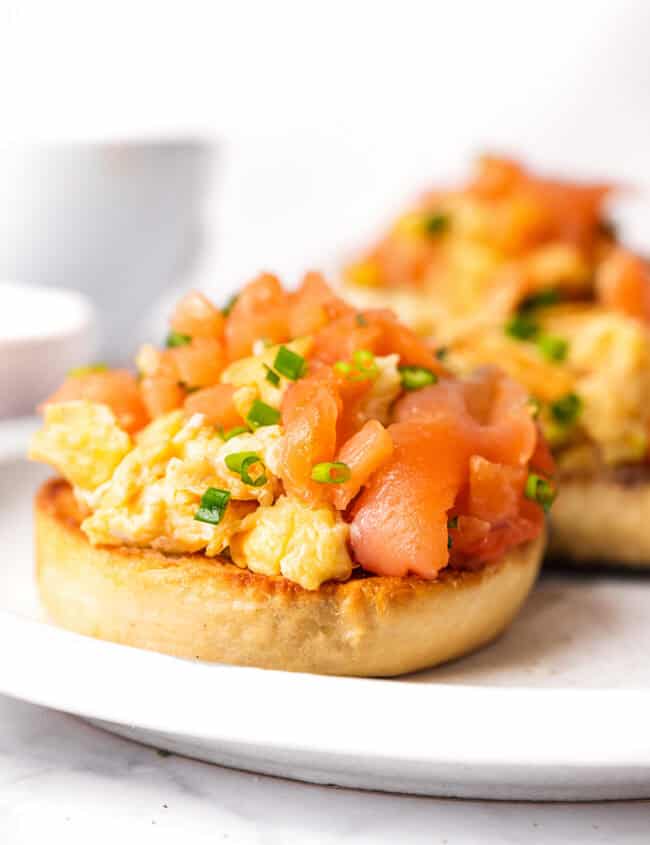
495	490
313	305
161	394
200	362
364	453
309	413
216	404
260	312
116	388
395	337
340	339
399	522
195	316
475	542
491	410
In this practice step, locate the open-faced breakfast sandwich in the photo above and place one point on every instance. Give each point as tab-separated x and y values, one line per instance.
526	273
291	483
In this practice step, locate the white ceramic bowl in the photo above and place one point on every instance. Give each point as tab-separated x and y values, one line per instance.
43	333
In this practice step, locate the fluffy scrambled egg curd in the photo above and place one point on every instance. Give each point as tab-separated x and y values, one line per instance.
253	372
304	544
82	440
146	492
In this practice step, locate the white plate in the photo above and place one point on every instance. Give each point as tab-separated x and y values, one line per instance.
557	709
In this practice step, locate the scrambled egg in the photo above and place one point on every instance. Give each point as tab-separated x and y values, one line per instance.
155	492
609	354
252	372
385	390
304	544
82	440
146	493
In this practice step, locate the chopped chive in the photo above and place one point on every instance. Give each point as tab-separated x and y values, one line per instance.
521	327
227	308
567	409
414	378
262	414
233	432
239	462
212	506
450	542
540	490
343	367
553	348
235	459
177	339
452	522
436	223
289	363
254	481
272	376
363	366
331	472
363	358
541	299
77	372
442	352
360	320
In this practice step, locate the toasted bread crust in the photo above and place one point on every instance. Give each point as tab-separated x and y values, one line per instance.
602	521
208	609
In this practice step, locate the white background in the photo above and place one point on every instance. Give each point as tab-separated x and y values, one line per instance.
335	112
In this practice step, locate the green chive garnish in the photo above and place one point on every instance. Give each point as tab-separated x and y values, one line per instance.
235	459
177	339
442	352
540	490
360	320
272	376
227	308
233	432
289	363
436	223
553	348
363	366
262	414
77	372
331	472
414	378
521	327
257	480
567	409
239	462
541	299
212	506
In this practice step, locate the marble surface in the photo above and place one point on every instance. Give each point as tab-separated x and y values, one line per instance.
62	780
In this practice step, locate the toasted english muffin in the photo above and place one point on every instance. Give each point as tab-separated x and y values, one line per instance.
598	521
208	609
